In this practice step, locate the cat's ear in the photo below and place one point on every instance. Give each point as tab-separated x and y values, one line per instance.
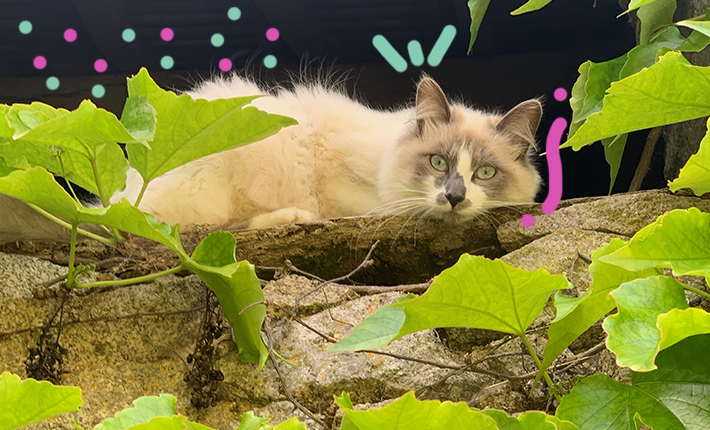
521	124
432	106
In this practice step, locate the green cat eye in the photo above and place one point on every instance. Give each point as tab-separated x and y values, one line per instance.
438	162
485	172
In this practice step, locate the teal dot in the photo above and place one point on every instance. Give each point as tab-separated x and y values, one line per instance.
52	83
98	91
167	62
217	40
128	35
234	13
270	61
25	27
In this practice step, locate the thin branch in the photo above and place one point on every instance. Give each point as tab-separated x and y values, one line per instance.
646	156
246	308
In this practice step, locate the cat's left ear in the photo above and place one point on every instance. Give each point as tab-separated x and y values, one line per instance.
432	106
521	124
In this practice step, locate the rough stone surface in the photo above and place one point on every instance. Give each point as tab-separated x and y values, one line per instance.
19	274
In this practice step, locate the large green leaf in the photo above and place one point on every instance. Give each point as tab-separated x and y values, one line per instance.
672	90
477	10
679	239
635	4
377	330
632	332
613	153
673	397
189	129
236	287
26	402
252	422
530	5
408	413
679	324
600	78
699	26
481	293
144	409
653	16
533	420
696	172
593	305
578	97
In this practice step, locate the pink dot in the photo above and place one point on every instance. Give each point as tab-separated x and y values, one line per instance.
272	34
70	35
167	34
100	65
225	64
527	220
560	94
40	62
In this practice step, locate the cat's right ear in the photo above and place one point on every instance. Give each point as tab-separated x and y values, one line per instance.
432	106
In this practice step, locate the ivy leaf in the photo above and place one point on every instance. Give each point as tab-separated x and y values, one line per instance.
679	239
672	90
533	420
4	168
175	422
477	9
481	293
699	26
633	335
29	401
139	118
190	129
591	306
377	330
653	16
679	324
236	287
144	409
291	424
673	397
613	153
635	4
252	422
696	172
530	6
408	413
600	78
578	96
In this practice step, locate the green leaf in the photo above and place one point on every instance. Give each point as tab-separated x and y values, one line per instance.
600	78
236	287
699	26
477	9
679	239
696	172
481	293
26	402
252	422
344	402
679	324
632	332
593	305
291	424
670	91
613	153
533	420
408	413
635	4
144	409
653	16
175	422
139	118
4	168
530	6
673	397
578	96
377	330
189	129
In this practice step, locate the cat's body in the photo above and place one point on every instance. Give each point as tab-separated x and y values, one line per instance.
346	159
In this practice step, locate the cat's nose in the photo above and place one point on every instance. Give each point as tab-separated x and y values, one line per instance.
454	198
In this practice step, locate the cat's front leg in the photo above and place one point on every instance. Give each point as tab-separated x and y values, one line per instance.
282	216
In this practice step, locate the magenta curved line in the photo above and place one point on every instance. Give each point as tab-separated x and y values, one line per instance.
554	165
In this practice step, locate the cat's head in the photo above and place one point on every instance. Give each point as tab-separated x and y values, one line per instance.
456	162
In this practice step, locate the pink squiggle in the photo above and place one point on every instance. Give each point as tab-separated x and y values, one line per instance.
554	165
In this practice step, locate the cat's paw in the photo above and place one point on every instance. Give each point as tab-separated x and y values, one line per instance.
282	216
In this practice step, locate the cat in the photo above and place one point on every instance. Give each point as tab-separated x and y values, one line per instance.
437	159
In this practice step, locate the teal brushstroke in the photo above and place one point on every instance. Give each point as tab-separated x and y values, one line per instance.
390	54
416	55
442	45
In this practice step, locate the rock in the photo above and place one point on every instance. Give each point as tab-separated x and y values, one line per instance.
280	296
19	274
620	214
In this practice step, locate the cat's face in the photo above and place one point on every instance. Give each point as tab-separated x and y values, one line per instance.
457	162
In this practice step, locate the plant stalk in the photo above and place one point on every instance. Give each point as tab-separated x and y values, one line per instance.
697	291
545	375
131	281
140	195
104	199
106	240
72	252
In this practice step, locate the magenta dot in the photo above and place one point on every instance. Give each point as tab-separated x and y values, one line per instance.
167	34
225	64
272	34
40	62
560	94
70	35
100	65
527	220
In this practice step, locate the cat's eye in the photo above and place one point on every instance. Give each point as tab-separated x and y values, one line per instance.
438	162
485	172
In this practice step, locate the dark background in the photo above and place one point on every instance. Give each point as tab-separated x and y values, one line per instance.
514	58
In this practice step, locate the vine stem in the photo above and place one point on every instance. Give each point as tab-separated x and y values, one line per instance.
106	240
140	195
104	199
72	253
545	375
697	291
131	281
